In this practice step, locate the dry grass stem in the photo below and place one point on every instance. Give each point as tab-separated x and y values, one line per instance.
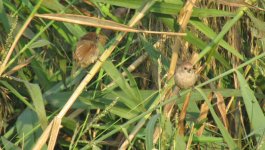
54	132
181	125
203	114
96	22
190	137
132	135
43	138
18	67
183	19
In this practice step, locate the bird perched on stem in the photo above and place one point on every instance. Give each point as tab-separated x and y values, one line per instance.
185	75
87	48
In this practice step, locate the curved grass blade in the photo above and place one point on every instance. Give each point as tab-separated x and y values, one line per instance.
254	110
36	96
149	131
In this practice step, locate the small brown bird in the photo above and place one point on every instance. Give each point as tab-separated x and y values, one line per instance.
185	75
87	48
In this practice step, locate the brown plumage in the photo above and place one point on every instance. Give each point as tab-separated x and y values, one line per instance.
87	48
185	76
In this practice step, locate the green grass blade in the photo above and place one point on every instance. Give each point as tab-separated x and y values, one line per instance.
224	30
8	145
149	132
17	94
36	96
53	5
24	125
3	17
211	34
129	98
134	86
167	8
254	110
40	43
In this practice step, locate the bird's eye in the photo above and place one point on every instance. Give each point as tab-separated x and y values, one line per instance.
185	68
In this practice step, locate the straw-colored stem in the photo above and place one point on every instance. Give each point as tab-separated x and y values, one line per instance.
183	20
182	115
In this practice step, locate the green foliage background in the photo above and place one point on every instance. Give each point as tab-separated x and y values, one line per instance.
229	40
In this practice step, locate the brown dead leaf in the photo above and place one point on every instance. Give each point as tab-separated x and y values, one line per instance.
203	114
222	108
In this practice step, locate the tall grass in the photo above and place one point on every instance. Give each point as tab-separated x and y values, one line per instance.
122	104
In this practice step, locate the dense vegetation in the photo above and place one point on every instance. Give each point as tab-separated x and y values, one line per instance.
120	102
